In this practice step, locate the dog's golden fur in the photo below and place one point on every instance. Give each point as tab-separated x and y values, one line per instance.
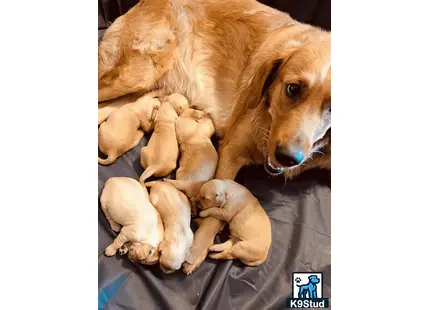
235	59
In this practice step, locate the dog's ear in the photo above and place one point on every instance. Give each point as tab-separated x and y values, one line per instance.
261	77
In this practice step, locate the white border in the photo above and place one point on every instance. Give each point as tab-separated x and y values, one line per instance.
380	174
48	154
380	144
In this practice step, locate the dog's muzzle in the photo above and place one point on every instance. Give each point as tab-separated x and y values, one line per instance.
271	168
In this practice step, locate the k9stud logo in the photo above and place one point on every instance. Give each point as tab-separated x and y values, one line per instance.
307	291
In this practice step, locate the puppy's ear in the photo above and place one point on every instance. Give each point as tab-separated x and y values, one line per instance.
221	197
154	113
262	76
189	257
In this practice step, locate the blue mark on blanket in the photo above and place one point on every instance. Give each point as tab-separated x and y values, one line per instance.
107	292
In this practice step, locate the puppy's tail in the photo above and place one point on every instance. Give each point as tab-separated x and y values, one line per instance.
149	172
109	160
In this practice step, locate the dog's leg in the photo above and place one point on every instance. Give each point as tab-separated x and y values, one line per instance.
116	244
221	246
131	61
230	162
137	137
203	239
219	213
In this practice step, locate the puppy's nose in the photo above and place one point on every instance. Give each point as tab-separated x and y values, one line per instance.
288	158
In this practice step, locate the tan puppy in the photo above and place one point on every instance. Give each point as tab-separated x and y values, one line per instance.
126	203
199	158
175	211
250	228
124	127
159	157
208	227
177	101
108	107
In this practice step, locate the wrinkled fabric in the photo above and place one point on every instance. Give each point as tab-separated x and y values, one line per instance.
299	212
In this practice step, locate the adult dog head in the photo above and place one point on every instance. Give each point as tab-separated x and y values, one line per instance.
289	77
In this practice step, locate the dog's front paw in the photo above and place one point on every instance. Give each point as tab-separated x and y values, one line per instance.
110	251
197	260
204	213
123	250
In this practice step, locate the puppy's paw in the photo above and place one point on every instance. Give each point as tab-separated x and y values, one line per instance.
197	260
110	251
123	250
204	213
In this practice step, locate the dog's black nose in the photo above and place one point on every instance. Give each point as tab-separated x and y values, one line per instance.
286	158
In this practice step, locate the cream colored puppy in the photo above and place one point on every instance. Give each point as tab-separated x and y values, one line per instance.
159	157
128	210
175	212
125	127
250	228
199	158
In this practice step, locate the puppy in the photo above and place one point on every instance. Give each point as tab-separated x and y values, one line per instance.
208	227
249	224
177	101
159	157
125	127
199	158
108	107
126	203
174	209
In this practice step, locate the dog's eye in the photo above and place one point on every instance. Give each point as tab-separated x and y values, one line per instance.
292	90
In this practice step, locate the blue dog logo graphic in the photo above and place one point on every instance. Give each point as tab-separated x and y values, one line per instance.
309	290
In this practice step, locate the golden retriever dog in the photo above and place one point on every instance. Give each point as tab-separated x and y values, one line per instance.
264	77
250	229
129	212
125	127
175	211
160	156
